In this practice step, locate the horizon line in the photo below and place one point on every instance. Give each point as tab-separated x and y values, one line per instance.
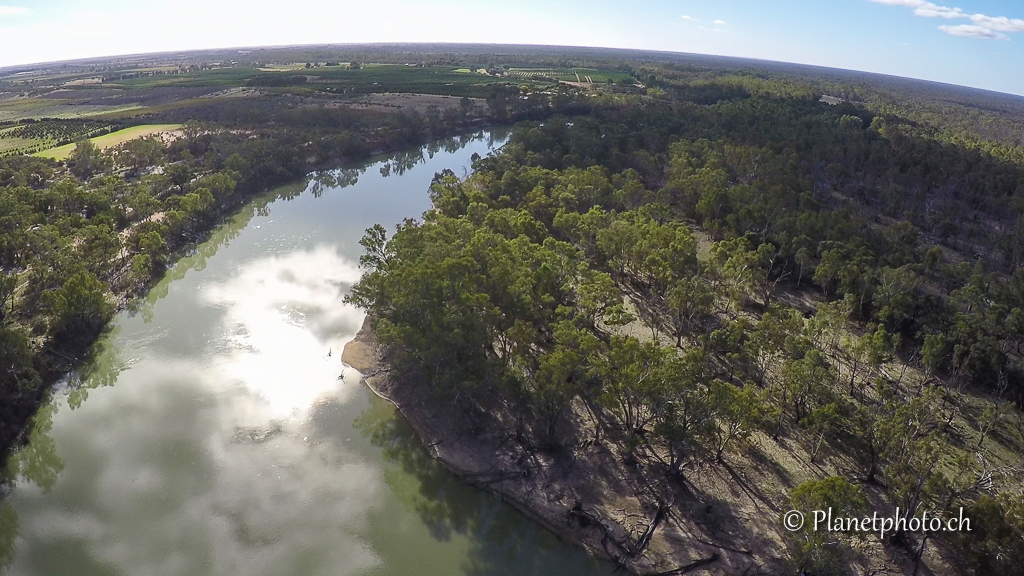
73	61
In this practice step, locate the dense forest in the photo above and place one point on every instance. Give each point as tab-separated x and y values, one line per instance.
797	270
697	263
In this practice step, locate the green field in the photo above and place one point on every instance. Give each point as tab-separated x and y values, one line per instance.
216	77
18	108
30	137
408	79
17	144
283	68
586	75
112	139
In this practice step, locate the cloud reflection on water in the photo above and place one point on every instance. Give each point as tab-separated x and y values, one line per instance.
213	464
285	326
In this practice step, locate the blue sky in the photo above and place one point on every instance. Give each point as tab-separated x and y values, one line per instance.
976	43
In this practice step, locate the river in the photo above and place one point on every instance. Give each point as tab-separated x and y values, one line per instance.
217	432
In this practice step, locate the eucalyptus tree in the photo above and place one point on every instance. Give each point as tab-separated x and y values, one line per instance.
826	551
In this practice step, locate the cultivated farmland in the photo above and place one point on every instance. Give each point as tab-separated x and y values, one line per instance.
45	109
112	139
583	75
31	137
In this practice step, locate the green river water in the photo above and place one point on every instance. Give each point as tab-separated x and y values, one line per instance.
212	434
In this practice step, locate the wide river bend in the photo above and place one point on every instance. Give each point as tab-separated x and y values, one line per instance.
218	433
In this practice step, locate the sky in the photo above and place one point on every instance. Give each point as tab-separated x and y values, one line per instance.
978	43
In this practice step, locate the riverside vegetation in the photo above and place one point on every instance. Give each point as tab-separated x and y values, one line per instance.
820	305
753	300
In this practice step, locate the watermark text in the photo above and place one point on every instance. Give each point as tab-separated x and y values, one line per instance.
827	521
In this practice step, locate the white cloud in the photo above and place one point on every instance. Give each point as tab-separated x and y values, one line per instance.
12	10
983	27
691	18
940	12
972	31
720	22
930	10
926	9
999	23
907	3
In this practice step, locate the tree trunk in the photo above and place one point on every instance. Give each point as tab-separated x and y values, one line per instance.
778	424
817	445
920	552
903	372
676	469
